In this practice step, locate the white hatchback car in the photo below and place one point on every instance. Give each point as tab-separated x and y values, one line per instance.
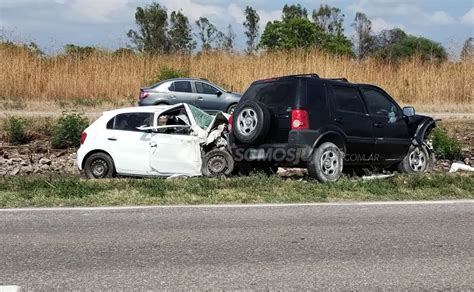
156	141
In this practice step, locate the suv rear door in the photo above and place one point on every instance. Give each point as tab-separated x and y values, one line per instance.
279	96
348	113
392	138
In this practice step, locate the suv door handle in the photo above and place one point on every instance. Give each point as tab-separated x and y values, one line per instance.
339	119
153	144
378	125
112	139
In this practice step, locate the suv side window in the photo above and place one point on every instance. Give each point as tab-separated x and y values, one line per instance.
181	86
378	104
348	99
205	88
130	121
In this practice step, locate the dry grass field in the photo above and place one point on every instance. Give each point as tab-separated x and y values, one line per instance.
25	77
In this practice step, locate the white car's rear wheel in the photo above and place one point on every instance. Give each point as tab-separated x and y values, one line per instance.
99	165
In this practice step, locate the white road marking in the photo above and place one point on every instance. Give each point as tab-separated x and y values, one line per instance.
446	202
11	288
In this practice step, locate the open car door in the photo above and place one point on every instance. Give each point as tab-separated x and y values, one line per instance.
175	148
175	154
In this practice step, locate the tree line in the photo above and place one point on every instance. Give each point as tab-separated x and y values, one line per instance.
160	32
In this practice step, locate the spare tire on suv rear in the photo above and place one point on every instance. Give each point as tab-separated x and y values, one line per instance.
251	122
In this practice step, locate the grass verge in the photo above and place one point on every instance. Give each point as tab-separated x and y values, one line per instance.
40	191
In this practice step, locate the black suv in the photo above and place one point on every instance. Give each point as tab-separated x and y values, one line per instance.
323	124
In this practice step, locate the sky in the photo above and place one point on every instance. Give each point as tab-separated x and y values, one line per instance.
104	23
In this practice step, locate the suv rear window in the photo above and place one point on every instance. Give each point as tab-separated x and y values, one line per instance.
348	99
273	94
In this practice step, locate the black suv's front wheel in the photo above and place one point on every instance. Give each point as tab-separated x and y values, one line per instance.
326	163
418	160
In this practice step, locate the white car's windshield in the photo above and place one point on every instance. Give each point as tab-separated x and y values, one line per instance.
203	119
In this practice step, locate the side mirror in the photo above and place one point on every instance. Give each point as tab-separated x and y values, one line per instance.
218	93
408	111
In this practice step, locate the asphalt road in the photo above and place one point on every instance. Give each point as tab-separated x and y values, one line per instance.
361	247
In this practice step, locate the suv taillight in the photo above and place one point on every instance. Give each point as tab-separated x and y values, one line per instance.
299	119
231	121
83	137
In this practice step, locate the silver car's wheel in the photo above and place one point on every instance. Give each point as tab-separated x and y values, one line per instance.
247	121
231	109
417	160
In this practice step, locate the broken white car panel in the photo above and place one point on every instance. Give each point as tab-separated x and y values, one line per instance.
156	141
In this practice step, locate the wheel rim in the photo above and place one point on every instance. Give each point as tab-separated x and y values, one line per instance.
217	164
417	160
329	162
99	168
247	121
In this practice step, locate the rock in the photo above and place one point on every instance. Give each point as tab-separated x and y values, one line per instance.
467	161
45	167
45	161
24	163
16	159
28	169
15	171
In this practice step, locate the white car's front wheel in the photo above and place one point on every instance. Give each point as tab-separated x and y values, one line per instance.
99	165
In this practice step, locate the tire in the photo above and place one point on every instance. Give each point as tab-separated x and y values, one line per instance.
251	122
418	160
245	168
231	109
99	165
217	162
326	163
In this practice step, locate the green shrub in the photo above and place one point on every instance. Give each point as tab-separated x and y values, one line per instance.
67	131
168	73
445	146
15	128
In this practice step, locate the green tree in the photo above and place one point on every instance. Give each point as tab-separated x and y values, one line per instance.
207	33
363	30
151	36
290	33
251	25
78	51
180	33
226	41
294	11
467	52
395	44
329	19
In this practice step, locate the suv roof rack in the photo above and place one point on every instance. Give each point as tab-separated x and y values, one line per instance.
314	75
339	79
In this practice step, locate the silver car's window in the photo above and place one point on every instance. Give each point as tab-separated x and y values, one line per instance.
181	86
205	88
203	120
130	121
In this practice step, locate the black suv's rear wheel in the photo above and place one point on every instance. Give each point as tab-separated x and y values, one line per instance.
326	163
251	122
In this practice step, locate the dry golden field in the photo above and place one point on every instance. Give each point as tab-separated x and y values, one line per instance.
434	87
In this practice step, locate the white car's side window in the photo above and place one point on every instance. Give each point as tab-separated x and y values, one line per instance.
130	121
